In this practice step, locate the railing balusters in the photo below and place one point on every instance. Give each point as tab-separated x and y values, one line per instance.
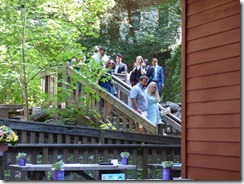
82	143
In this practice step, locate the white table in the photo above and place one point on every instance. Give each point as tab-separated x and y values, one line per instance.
37	171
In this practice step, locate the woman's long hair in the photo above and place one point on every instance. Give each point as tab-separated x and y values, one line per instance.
149	90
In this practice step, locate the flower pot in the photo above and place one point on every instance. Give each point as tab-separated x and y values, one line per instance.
58	175
22	161
125	161
3	148
167	174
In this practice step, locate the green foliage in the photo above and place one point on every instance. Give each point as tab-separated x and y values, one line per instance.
40	36
155	38
37	35
80	110
167	164
108	126
159	39
21	155
125	154
172	89
58	165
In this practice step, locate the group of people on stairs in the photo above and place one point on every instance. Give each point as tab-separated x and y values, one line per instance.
147	83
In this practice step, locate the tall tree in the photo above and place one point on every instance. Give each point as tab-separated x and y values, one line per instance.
37	35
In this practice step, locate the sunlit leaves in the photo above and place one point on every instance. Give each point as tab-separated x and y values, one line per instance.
50	30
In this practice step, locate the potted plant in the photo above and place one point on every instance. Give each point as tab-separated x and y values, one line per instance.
125	157
167	172
58	170
21	157
7	136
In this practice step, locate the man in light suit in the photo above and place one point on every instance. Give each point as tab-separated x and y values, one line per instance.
101	56
158	75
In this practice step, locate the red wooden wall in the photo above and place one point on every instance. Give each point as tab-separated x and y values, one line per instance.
211	90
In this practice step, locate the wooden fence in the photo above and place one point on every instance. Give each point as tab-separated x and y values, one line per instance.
46	143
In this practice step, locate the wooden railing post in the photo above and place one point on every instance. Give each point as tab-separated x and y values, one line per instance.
101	137
160	128
144	163
2	167
45	155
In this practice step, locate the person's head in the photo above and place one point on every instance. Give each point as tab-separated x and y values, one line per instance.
102	50
154	61
146	62
143	80
152	89
110	64
139	60
118	57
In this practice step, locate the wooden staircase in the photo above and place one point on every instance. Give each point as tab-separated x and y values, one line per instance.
167	117
115	110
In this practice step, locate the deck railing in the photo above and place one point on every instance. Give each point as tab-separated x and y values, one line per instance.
112	109
124	92
141	155
46	143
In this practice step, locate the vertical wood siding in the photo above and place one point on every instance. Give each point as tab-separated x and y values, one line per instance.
211	89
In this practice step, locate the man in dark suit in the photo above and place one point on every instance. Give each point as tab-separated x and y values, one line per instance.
156	74
150	73
120	67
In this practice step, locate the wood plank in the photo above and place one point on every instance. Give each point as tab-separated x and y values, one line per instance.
213	54
191	1
54	154
204	5
214	94
41	137
50	138
214	67
215	107
214	14
214	121
33	137
212	174
214	134
214	148
59	138
54	128
154	160
183	90
83	132
214	81
23	137
67	139
215	162
214	27
216	40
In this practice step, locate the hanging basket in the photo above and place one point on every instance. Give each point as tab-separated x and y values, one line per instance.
3	148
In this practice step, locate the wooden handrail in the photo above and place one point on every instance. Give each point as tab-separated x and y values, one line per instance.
97	146
115	102
169	117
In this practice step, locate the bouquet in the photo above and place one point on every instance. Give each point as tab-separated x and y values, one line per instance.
8	136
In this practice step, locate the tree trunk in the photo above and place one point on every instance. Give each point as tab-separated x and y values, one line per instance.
23	13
